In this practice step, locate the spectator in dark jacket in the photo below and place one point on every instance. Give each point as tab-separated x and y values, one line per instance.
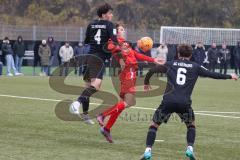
8	53
199	53
213	57
78	54
172	52
36	56
44	52
225	57
236	56
54	51
19	51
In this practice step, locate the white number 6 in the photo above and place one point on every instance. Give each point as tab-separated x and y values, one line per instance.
181	77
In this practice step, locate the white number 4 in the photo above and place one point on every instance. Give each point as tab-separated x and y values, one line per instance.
97	36
181	77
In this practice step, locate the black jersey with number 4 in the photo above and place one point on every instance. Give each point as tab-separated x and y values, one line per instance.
181	77
97	35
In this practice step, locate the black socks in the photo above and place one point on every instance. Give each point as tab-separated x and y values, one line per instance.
191	134
84	98
151	136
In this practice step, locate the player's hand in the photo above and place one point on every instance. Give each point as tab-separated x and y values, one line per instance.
147	88
234	76
122	64
159	61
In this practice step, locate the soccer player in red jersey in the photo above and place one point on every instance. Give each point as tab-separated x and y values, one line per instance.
128	61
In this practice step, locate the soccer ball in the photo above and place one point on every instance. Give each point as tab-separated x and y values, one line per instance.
145	44
74	108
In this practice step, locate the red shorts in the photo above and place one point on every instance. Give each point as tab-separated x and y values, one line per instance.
128	82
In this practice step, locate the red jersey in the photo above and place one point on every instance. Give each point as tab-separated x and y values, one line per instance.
129	55
128	74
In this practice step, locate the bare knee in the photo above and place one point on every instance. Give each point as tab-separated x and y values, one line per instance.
96	83
154	124
190	125
130	100
131	103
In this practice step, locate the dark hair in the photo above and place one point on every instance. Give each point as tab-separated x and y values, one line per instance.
103	9
185	50
119	25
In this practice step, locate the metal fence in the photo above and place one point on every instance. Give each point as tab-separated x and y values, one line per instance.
62	33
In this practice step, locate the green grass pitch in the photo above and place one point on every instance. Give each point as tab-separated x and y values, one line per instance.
30	130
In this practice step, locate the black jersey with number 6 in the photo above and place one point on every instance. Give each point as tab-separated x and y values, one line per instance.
97	35
181	77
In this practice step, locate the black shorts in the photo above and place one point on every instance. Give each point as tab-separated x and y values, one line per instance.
94	68
165	110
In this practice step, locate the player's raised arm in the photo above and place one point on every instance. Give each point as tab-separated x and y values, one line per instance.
142	57
206	73
157	69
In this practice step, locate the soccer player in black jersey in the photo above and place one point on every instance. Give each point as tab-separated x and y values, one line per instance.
182	75
98	33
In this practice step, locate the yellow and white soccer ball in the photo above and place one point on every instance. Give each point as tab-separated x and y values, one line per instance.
145	44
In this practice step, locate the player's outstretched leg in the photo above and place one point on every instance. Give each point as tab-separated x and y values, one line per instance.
106	133
151	136
147	155
189	153
114	114
84	100
191	134
100	118
116	109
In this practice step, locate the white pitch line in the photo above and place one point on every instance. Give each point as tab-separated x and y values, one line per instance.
218	112
56	100
30	98
215	115
142	108
159	140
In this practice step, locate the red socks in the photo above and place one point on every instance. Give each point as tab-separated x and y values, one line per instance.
120	106
114	113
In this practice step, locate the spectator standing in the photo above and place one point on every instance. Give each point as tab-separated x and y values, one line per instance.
236	56
37	60
213	57
53	47
8	52
162	51
225	56
78	54
44	52
199	53
66	53
1	62
172	52
19	51
1	66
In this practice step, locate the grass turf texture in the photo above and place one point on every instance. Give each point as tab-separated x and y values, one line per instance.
30	130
